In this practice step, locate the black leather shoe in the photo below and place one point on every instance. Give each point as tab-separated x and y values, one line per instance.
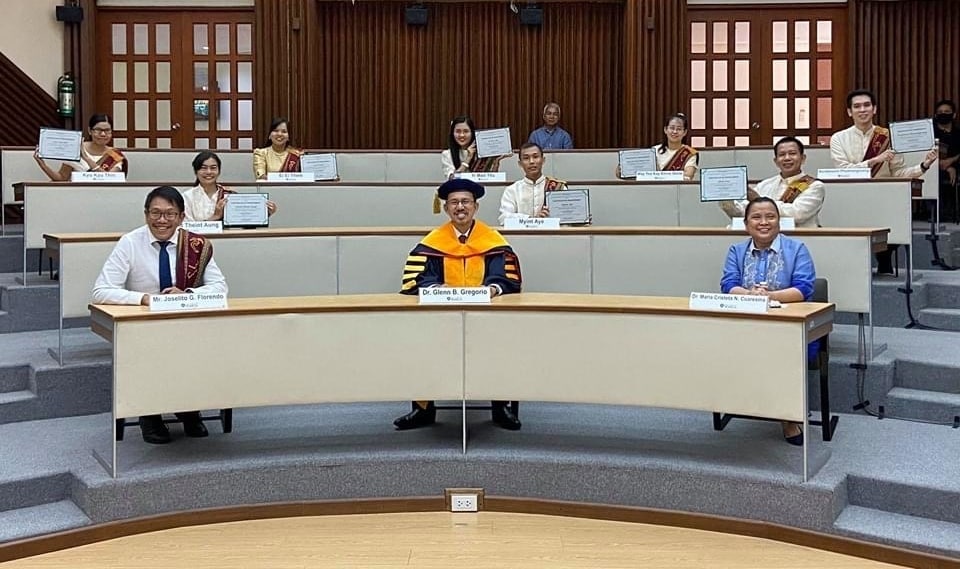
153	430
192	425
503	416
795	440
417	418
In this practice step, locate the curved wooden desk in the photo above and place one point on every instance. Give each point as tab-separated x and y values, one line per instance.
633	350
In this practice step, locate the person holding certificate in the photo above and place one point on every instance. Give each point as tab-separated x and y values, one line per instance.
277	154
462	252
865	145
160	258
528	197
96	154
771	265
796	194
672	154
207	199
461	153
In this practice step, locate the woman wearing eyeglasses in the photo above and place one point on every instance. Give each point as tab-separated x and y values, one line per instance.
96	154
672	154
206	200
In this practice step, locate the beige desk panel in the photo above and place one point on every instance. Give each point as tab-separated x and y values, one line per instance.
651	204
370	264
304	266
286	359
684	362
870	204
549	264
80	265
76	208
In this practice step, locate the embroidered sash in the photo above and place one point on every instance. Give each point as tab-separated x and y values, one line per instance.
193	254
680	158
292	162
795	188
879	143
110	159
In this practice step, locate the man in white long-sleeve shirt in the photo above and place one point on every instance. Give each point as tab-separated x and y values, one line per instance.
866	145
152	260
527	197
798	195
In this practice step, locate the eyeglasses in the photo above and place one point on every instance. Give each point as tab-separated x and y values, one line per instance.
169	215
464	203
101	130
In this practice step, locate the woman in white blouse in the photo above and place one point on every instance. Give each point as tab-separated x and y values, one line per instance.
206	200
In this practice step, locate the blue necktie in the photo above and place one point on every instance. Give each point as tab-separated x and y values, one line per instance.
166	281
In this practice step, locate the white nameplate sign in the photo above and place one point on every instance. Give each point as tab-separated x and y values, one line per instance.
843	173
748	303
481	177
786	224
660	176
531	223
98	177
203	227
187	301
455	295
290	177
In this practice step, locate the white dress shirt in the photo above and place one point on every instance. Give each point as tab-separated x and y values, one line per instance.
198	206
848	147
523	198
133	270
805	208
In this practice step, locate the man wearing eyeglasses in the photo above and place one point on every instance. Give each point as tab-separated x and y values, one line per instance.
462	252
159	258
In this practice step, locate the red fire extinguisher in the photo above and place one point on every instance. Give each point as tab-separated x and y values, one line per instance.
66	88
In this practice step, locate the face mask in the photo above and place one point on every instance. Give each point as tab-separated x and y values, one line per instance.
943	118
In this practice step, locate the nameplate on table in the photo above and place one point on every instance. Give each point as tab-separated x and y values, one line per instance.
843	173
98	177
786	224
716	302
455	295
298	177
482	177
531	223
203	227
187	301
660	176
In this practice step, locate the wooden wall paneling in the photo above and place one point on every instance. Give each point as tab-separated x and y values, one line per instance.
382	84
907	53
24	106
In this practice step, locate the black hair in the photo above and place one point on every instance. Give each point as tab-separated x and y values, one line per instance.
94	119
948	102
202	157
786	140
527	145
759	200
666	123
277	121
168	193
861	93
452	141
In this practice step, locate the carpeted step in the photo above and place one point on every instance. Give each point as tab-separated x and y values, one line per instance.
943	294
900	530
14	378
923	404
940	318
42	519
928	376
9	398
29	308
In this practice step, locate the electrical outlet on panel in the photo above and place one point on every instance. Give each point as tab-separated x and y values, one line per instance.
463	503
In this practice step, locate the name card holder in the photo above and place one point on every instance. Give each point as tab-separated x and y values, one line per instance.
203	227
843	173
455	295
111	177
660	176
716	302
288	177
532	223
481	177
187	301
786	224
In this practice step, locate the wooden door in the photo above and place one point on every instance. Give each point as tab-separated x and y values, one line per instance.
758	75
177	79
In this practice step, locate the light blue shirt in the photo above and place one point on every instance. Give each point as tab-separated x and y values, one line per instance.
551	139
786	264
